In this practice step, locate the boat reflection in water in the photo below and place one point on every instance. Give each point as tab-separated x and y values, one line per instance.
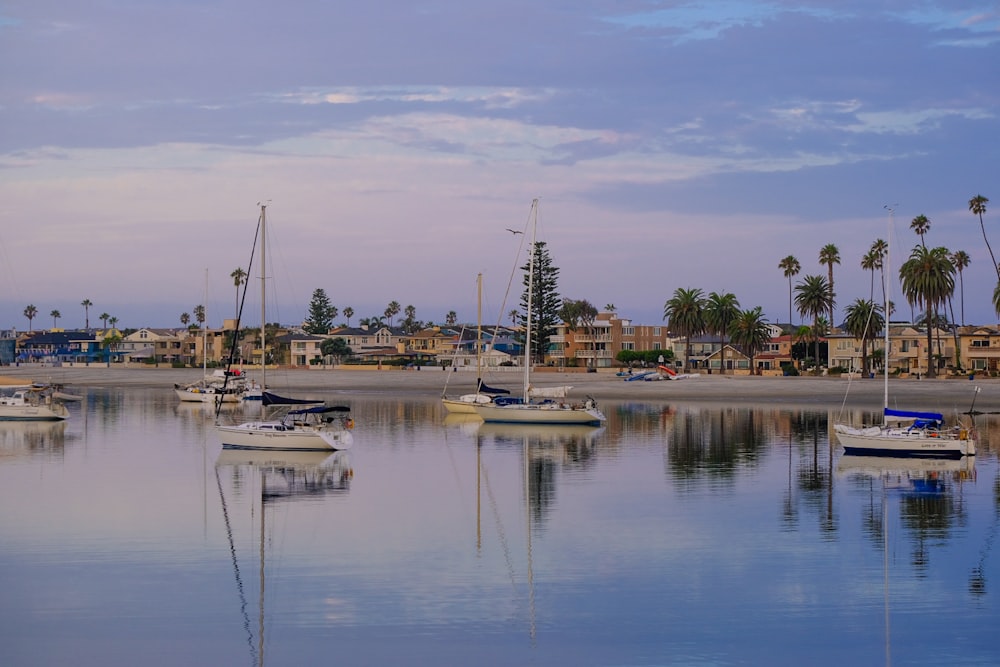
924	489
23	439
274	477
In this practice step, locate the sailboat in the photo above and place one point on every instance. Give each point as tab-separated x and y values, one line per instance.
906	432
465	403
311	425
211	388
552	408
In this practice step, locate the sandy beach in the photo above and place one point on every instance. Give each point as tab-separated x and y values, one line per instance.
946	395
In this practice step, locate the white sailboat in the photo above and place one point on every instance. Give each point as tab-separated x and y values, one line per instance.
212	388
553	407
484	395
906	432
311	425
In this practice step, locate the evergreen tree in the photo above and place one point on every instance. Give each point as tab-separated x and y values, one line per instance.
545	301
321	315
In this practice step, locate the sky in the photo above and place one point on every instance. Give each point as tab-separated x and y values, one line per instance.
670	144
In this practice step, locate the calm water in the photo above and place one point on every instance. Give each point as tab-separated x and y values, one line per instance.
676	535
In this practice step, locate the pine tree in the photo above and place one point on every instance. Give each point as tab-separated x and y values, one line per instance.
321	315
545	301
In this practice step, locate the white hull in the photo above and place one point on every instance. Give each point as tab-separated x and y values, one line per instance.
205	396
276	435
544	413
54	412
893	441
465	404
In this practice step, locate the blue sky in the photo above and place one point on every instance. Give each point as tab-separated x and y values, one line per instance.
672	144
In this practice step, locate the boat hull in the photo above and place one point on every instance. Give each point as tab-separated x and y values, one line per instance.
33	413
877	441
466	404
544	413
276	436
206	396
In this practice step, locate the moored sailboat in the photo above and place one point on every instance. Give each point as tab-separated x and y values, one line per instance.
311	425
546	407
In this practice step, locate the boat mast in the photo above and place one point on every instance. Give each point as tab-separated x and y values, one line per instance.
263	294
531	281
204	331
479	330
885	311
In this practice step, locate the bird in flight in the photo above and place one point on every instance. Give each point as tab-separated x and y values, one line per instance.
513	231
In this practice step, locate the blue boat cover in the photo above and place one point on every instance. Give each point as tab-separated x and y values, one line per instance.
910	414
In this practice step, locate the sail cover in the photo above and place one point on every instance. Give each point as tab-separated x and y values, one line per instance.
273	399
483	389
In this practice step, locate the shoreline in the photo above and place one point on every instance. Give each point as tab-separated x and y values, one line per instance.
940	395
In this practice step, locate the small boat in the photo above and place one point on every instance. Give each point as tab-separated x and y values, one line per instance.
906	432
306	424
34	403
211	389
315	428
527	410
484	395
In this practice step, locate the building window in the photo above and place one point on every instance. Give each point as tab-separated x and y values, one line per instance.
628	331
656	345
980	343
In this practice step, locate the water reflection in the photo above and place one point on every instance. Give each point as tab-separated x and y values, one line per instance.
23	440
274	478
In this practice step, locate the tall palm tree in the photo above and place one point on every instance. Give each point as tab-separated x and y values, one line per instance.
451	318
791	268
869	262
30	312
961	260
113	321
104	317
348	313
239	277
921	225
683	314
749	331
720	310
928	277
814	298
996	299
863	320
978	206
55	315
880	248
391	311
185	319
828	256
86	303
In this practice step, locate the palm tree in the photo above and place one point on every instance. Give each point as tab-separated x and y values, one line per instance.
814	298
113	321
348	313
720	310
961	260
791	267
978	206
863	320
514	315
684	316
880	248
199	314
86	303
239	277
869	262
30	312
55	315
185	319
921	225
103	317
996	299
451	318
610	308
928	276
828	256
391	311
749	331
